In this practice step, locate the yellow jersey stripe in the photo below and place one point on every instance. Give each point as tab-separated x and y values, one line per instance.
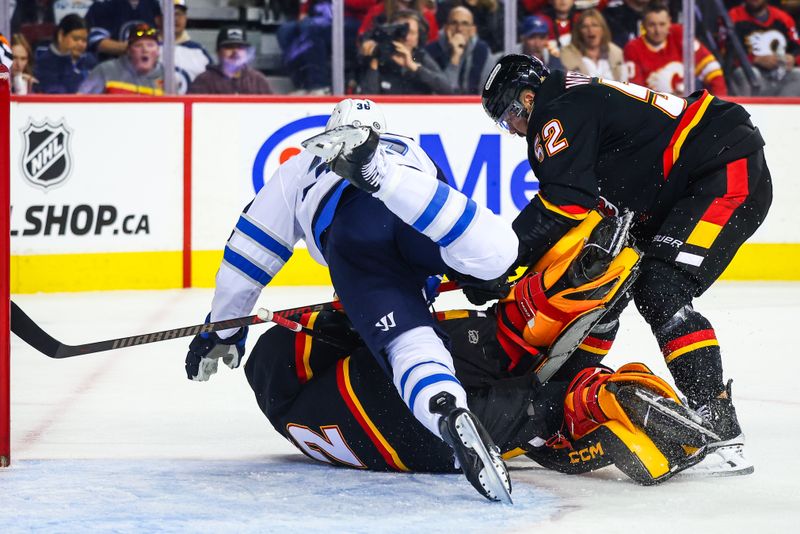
689	348
393	453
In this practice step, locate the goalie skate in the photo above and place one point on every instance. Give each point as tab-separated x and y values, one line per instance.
724	459
726	453
478	456
340	140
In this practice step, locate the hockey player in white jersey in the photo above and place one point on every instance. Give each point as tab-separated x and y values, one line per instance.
383	230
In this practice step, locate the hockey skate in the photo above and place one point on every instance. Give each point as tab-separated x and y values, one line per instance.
351	152
725	455
478	457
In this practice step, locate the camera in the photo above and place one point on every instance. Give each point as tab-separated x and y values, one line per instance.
384	36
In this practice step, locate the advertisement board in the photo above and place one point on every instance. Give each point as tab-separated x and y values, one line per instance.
102	186
96	194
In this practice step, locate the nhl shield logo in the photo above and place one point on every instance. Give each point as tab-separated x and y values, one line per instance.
46	160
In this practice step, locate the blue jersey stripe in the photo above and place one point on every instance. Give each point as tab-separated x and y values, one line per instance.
427	381
434	207
264	239
461	224
325	215
246	266
405	376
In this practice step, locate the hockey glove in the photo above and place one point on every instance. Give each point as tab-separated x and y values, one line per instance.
478	291
206	349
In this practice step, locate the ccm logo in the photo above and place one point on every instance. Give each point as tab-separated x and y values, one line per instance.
587	454
667	240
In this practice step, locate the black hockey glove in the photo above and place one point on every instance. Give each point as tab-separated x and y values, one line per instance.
538	229
205	350
479	292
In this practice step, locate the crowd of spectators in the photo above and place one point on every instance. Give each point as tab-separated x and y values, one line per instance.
443	47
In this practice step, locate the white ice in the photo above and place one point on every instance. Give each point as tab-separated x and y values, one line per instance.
122	442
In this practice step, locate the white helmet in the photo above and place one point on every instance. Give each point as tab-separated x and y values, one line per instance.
357	112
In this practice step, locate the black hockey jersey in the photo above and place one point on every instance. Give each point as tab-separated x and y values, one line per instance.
591	139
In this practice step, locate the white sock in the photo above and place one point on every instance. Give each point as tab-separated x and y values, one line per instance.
422	368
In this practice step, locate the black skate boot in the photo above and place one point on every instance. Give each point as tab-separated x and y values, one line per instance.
472	446
360	165
725	456
351	151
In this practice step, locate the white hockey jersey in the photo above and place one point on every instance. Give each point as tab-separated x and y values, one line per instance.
297	202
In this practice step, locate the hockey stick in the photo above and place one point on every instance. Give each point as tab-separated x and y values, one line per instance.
36	337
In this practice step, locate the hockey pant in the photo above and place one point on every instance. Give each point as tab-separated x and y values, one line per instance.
690	250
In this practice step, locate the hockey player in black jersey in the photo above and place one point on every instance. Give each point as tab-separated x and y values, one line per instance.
692	170
336	405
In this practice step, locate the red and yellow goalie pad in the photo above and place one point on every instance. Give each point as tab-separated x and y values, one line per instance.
603	412
555	304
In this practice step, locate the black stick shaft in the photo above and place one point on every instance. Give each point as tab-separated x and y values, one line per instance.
35	336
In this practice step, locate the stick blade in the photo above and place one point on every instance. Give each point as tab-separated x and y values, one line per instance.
27	330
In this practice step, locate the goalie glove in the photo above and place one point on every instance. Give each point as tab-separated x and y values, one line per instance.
206	349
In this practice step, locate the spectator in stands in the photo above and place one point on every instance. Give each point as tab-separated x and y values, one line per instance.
534	33
655	59
534	41
460	53
35	19
770	38
625	21
62	66
559	15
488	17
385	10
233	74
111	20
306	46
21	66
137	72
591	50
401	67
191	59
6	56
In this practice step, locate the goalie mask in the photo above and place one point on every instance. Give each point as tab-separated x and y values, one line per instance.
357	112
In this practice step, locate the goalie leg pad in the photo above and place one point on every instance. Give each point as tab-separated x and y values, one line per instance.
616	412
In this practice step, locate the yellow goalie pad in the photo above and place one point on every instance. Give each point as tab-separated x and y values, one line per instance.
575	281
604	409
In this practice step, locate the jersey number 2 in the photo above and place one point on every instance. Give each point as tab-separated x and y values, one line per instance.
328	447
553	140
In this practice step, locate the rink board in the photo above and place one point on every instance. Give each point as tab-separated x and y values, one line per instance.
142	193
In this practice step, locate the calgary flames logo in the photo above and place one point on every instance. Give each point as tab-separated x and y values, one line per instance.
766	43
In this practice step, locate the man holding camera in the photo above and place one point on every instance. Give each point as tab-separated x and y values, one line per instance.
395	64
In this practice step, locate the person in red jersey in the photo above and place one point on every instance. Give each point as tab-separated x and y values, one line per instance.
770	37
655	59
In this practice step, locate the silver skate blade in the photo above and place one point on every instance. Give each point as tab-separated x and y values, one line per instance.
341	139
680	418
494	483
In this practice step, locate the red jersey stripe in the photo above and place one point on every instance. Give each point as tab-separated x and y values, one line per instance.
688	339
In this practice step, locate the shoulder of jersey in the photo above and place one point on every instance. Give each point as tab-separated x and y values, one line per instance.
407	148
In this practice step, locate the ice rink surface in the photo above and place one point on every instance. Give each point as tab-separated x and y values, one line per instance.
123	442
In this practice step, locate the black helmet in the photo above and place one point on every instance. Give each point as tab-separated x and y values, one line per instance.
512	74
